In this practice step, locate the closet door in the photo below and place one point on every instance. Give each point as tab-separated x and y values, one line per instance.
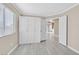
43	29
63	30
29	30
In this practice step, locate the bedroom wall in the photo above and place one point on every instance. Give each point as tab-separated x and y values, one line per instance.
10	41
56	27
73	27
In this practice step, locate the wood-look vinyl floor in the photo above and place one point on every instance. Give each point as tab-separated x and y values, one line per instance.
50	47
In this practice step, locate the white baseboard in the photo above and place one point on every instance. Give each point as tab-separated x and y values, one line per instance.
73	49
12	49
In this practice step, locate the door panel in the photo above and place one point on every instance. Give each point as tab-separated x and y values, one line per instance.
29	29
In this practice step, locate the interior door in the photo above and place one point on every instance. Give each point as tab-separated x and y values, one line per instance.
29	30
63	33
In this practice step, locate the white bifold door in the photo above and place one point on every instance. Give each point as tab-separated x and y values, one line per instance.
63	30
29	29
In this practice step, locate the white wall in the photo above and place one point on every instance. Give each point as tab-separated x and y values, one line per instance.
56	27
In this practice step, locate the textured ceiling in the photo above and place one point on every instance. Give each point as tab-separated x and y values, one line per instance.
43	9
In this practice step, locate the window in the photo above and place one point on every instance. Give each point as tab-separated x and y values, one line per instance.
6	21
1	20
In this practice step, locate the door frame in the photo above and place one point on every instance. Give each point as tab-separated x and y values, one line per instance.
66	30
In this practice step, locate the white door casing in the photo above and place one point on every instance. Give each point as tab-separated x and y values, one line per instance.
63	30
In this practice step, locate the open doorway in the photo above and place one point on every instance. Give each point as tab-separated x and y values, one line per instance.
53	28
58	29
50	28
